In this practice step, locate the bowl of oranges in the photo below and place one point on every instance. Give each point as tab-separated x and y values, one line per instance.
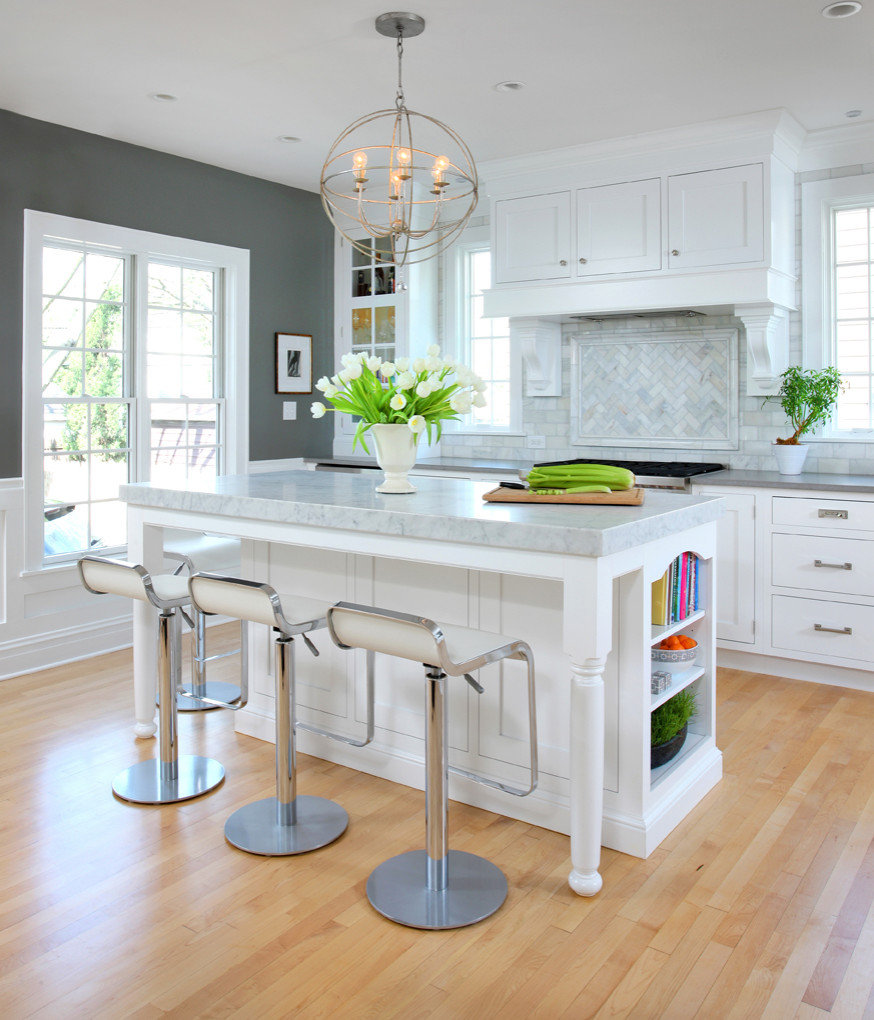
676	648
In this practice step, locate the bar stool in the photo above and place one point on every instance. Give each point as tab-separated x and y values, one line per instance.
171	777
436	888
194	551
286	823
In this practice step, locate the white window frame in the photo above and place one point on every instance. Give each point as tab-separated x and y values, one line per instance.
819	200
41	227
457	341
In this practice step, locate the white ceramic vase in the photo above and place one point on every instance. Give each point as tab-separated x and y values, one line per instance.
790	459
395	454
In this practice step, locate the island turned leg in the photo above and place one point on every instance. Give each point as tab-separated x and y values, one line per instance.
587	774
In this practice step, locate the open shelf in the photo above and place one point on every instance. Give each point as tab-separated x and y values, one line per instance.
691	745
679	681
674	628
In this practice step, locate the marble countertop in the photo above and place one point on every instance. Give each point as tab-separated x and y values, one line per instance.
504	467
443	509
774	480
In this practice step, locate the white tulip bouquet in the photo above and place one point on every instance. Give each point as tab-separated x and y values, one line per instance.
421	393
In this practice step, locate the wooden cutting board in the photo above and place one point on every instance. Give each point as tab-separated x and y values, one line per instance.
627	497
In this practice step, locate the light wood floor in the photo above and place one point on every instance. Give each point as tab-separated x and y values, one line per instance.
758	905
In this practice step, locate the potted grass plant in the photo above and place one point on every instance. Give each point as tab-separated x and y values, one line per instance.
808	398
669	725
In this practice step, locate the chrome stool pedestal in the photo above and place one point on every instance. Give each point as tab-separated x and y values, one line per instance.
172	777
285	823
436	888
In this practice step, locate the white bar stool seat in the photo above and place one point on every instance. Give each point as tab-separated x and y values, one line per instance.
436	888
171	777
286	823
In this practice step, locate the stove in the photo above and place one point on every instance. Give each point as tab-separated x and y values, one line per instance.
651	474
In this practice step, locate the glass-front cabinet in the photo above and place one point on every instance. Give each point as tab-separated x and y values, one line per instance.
381	310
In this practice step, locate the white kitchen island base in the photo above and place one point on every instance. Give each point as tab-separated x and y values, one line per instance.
572	581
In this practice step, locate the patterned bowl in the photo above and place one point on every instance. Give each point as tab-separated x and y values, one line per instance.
671	655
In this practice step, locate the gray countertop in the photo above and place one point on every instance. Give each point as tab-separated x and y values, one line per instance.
443	509
774	480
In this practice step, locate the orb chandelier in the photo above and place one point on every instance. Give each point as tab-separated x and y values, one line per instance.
399	177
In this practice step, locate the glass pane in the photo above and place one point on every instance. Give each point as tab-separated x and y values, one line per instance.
104	374
361	326
168	426
66	427
359	258
384	280
197	288
104	326
104	277
109	429
62	322
385	325
63	272
202	428
851	235
854	403
163	372
362	283
165	331
202	462
481	271
62	373
108	471
109	524
66	529
65	479
481	358
851	291
165	285
197	333
382	249
196	377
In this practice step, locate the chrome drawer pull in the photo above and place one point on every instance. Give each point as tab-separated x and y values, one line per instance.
833	630
837	566
840	515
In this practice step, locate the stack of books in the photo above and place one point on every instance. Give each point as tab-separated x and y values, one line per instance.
675	594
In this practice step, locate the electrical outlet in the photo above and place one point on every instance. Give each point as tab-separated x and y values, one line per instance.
536	443
289	410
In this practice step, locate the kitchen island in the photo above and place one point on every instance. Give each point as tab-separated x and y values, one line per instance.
573	581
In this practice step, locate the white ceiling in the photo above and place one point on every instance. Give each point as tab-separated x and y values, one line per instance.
248	71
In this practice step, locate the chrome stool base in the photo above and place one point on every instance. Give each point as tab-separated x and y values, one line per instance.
143	784
476	888
255	829
218	690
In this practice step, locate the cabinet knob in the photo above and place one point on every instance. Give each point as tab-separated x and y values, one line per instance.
563	262
582	262
674	251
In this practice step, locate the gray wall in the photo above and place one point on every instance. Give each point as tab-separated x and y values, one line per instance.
71	173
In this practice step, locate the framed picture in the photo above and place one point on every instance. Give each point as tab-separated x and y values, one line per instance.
294	363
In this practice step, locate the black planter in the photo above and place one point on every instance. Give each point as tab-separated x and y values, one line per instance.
661	754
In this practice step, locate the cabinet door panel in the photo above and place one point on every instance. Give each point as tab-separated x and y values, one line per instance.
532	238
716	217
619	228
736	566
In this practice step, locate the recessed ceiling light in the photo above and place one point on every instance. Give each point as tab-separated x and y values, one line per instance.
162	97
509	86
842	9
853	113
287	138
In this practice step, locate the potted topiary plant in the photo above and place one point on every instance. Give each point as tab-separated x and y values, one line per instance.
808	398
668	727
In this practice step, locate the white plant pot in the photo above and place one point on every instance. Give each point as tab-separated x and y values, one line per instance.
395	454
790	459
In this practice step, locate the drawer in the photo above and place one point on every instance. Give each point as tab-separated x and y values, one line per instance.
847	630
836	515
821	563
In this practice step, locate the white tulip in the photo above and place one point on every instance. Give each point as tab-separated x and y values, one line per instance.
418	365
460	403
323	383
433	364
374	363
405	381
403	364
425	388
479	400
417	423
331	391
398	402
318	409
387	369
434	350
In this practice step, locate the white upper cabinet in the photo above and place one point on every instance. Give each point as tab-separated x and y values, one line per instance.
619	228
716	217
533	238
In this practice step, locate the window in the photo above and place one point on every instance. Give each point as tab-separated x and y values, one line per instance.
135	370
838	294
482	343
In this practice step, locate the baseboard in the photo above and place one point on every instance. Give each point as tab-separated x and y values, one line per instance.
69	644
795	669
